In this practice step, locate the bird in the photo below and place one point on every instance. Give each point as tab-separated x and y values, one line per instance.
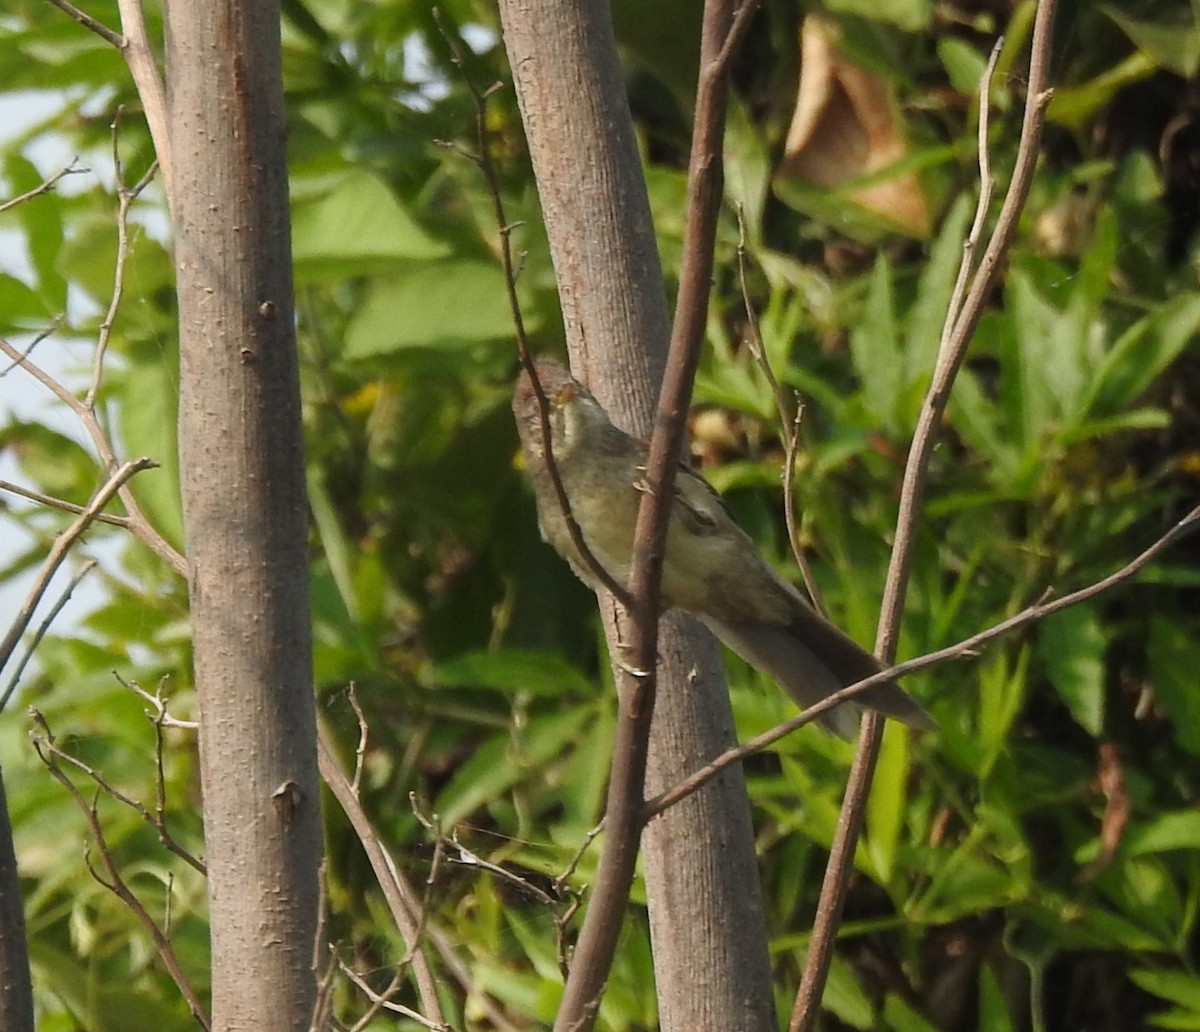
711	567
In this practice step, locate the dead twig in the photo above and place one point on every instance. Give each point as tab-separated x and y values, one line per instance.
46	185
401	899
483	161
965	649
49	754
724	25
138	523
42	628
58	552
790	412
960	326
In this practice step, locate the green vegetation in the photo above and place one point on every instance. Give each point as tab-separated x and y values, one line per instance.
1035	865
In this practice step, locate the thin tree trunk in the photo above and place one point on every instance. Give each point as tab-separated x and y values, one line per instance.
16	993
245	512
707	924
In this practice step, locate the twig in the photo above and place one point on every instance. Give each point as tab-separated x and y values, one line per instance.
160	716
483	161
724	25
59	503
55	323
789	425
125	199
156	820
43	627
141	527
46	185
950	357
49	753
139	57
399	895
60	548
90	23
964	649
386	1004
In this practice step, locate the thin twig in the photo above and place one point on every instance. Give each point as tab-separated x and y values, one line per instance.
141	527
49	753
46	185
724	25
965	649
55	323
90	23
386	1004
399	895
483	161
59	503
58	552
156	819
789	424
160	716
42	628
950	357
125	199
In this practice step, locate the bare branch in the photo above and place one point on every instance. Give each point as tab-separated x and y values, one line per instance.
59	503
789	425
483	160
45	186
125	199
399	895
965	649
90	23
138	524
49	754
139	56
723	27
951	354
58	552
385	1004
43	627
156	819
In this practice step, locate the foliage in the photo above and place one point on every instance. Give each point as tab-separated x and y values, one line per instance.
1046	837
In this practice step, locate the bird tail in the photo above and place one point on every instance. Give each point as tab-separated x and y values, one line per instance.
808	677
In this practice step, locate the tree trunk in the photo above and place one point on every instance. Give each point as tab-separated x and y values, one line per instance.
245	511
707	924
16	993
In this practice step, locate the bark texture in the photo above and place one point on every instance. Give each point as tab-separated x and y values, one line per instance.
245	509
707	925
16	992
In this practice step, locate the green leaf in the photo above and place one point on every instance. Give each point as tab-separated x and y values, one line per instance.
886	805
1174	45
875	348
1174	660
964	64
927	314
358	227
509	670
993	1007
1178	987
900	1016
1180	830
41	219
447	304
1072	645
909	15
1143	353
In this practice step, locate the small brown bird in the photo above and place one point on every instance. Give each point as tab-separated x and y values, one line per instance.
711	568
